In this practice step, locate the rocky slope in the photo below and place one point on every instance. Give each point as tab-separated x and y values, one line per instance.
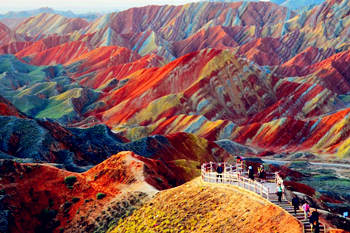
166	31
173	85
65	197
199	207
13	18
46	24
109	87
6	35
75	149
298	5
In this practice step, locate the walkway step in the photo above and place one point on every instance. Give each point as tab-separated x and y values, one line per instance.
299	215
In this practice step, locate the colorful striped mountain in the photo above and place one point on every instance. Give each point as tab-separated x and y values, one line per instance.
218	76
174	86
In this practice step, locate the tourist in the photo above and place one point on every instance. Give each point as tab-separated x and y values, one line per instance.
219	171
211	167
345	215
279	192
261	172
306	209
315	226
295	203
239	163
207	167
250	173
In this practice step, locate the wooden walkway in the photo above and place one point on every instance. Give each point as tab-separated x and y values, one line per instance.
266	188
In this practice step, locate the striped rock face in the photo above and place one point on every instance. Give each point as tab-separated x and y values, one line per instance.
247	72
168	31
6	35
46	24
136	100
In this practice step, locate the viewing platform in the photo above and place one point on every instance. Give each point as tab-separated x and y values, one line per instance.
235	174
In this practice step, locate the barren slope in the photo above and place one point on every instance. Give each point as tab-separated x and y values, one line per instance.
199	207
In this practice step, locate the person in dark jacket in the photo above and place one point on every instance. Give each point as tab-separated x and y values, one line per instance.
250	173
313	219
295	203
261	172
219	171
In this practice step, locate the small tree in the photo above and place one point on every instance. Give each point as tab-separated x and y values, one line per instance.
100	196
69	181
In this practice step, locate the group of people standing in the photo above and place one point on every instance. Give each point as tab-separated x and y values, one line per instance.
240	167
261	172
313	218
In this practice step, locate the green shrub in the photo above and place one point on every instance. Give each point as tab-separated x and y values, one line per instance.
47	220
28	169
51	203
100	196
69	181
47	214
66	206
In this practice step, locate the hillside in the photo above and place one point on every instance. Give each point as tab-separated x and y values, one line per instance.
169	31
13	18
67	199
200	207
7	109
71	201
243	89
173	36
135	101
7	35
46	23
76	149
128	29
298	5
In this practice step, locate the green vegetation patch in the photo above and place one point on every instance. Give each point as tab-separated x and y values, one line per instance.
70	180
100	195
58	108
299	164
330	185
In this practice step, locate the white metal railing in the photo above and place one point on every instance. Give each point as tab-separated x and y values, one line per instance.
234	175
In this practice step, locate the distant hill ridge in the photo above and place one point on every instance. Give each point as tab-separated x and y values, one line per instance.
13	18
297	5
68	13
